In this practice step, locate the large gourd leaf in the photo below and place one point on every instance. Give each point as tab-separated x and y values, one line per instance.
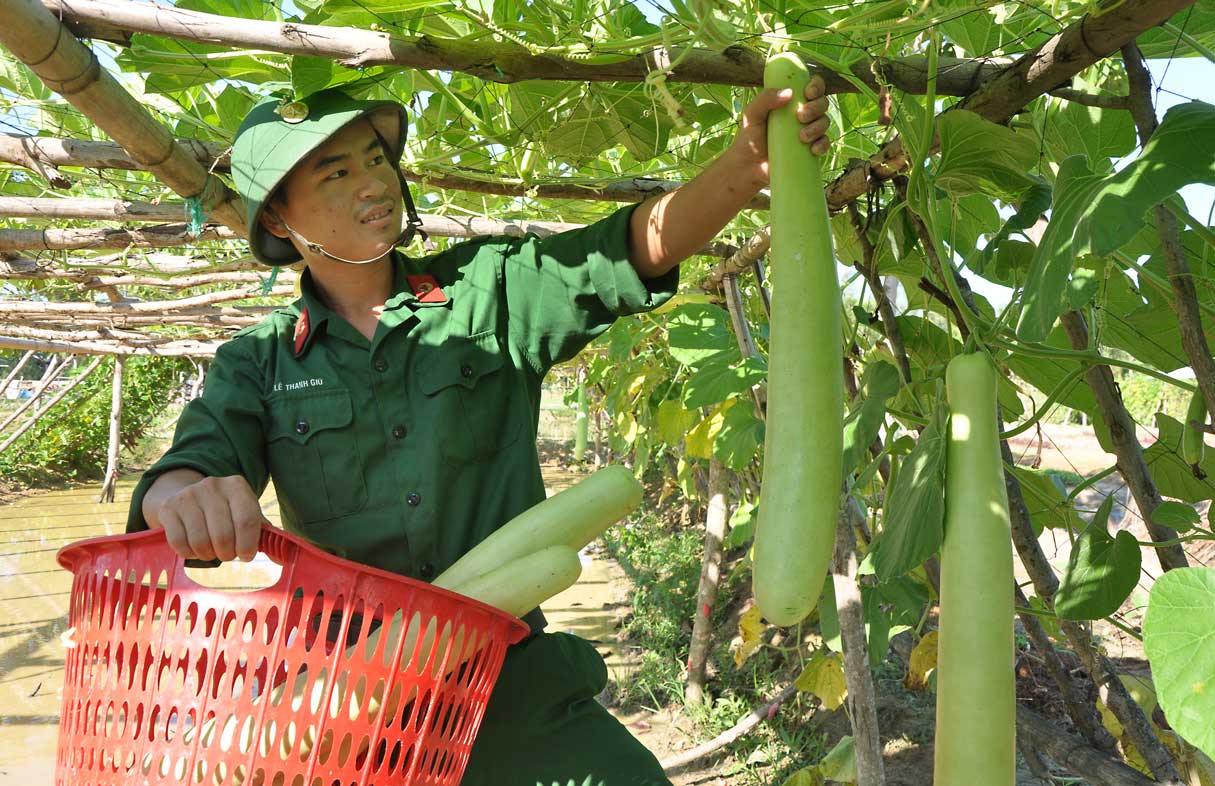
700	333
880	382
1068	128
1179	639
915	509
1094	215
1046	502
979	156
1101	572
1172	474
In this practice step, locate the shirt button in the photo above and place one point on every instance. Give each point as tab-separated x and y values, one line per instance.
466	370
399	432
413	498
427	570
380	364
301	426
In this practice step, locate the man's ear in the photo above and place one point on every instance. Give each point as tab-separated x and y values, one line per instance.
272	223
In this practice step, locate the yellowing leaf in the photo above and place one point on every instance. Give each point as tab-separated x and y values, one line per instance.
923	661
635	385
823	677
808	776
699	441
626	427
751	628
839	765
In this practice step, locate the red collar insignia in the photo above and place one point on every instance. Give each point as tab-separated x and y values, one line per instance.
302	328
426	289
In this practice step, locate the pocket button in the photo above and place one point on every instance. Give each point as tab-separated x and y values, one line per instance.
301	426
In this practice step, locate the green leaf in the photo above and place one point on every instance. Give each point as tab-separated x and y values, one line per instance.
1046	502
673	421
698	332
880	382
915	510
1179	639
1172	474
717	379
1178	515
839	765
979	156
740	437
1034	203
1101	572
742	526
1069	128
1094	215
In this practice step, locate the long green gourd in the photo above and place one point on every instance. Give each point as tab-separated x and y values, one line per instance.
976	691
803	446
573	518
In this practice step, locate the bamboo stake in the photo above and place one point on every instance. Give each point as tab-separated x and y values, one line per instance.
111	465
46	408
862	704
53	370
1131	463
1185	299
35	37
710	579
85	208
746	342
15	371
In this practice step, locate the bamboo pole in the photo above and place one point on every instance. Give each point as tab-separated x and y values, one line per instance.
177	235
43	156
20	364
53	370
111	465
135	306
37	38
198	349
506	61
710	579
47	407
91	209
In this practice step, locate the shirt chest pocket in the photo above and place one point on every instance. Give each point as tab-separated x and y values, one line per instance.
314	456
472	395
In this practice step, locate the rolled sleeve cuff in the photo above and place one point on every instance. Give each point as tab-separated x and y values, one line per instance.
135	520
613	276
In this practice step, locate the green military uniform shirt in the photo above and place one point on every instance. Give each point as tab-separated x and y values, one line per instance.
406	451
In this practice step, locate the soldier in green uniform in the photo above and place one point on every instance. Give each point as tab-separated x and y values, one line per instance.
395	403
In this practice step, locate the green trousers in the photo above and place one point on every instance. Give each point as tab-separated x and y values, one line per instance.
543	726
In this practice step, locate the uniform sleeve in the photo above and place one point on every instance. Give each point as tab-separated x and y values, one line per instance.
219	433
563	290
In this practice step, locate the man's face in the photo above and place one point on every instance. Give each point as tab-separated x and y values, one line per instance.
345	195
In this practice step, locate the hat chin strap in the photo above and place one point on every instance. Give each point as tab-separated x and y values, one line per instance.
413	225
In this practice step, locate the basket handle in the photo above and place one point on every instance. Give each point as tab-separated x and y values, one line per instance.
283	549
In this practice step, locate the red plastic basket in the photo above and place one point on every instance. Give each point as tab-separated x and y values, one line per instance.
296	684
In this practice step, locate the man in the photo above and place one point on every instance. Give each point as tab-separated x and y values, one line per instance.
395	403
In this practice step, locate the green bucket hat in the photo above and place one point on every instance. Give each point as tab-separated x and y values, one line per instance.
275	137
